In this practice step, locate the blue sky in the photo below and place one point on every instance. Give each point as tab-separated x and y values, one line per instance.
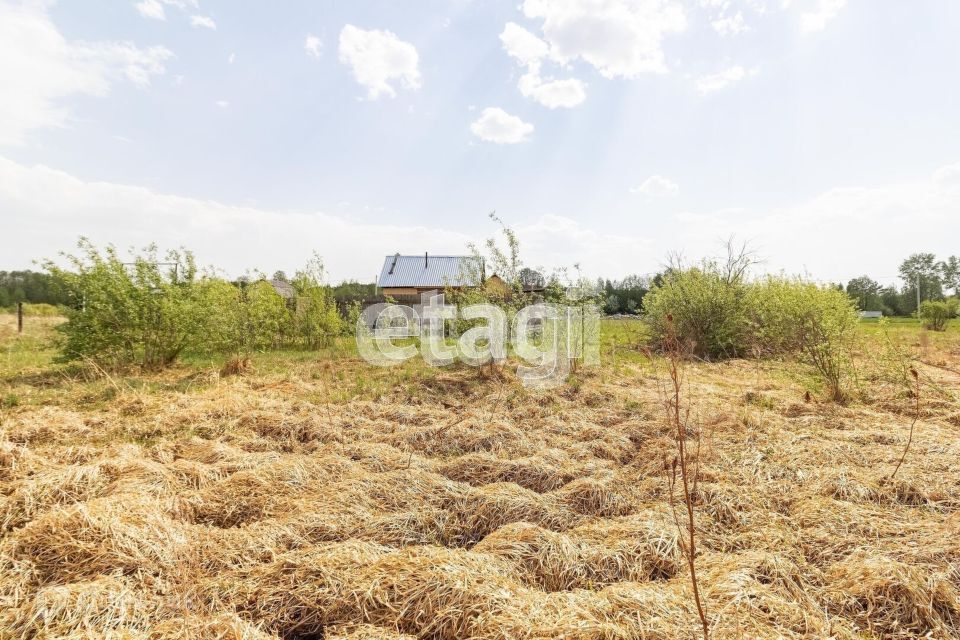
608	132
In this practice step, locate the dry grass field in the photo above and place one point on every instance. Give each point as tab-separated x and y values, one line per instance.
318	497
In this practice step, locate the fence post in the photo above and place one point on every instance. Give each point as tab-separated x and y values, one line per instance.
19	317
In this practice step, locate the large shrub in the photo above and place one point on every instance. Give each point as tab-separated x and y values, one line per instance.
316	320
241	320
935	314
145	311
714	314
708	310
815	322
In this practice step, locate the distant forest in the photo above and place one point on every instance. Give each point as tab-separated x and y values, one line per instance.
924	277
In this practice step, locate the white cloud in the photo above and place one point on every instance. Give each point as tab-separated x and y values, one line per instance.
313	46
378	58
657	186
231	58
723	79
730	25
568	93
205	22
529	50
825	11
620	38
54	208
523	45
151	9
223	104
496	125
814	236
948	177
40	70
155	9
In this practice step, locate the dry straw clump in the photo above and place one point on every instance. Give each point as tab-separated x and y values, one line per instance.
248	508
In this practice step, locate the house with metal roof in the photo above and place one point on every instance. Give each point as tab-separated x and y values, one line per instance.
404	278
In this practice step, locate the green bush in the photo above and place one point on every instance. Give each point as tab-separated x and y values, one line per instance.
138	312
40	309
715	315
316	320
708	311
149	312
935	314
815	322
244	320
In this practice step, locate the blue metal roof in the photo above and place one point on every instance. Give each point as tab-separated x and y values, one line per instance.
429	271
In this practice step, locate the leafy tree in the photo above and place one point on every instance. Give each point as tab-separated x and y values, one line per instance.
280	275
923	270
950	269
316	319
531	278
866	293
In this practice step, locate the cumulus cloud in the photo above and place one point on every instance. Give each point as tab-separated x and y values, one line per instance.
821	15
657	186
551	93
496	125
523	45
40	70
151	9
812	236
55	208
313	46
529	50
205	22
620	38
378	59
723	79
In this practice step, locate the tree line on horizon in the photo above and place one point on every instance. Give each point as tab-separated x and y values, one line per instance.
921	273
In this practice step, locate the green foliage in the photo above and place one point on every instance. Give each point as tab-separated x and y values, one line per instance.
353	290
138	312
41	310
815	322
243	320
715	313
148	312
316	319
30	287
708	309
624	296
936	314
866	293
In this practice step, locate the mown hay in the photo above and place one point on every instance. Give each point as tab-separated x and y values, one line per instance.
892	598
102	536
364	632
102	605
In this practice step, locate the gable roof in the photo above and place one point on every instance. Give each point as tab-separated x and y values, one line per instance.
284	289
429	271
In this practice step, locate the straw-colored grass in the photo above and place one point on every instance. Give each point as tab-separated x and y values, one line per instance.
456	506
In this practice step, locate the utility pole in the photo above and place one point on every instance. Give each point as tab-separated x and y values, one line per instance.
918	293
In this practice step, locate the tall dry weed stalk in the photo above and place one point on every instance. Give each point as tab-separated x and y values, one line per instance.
678	419
913	424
